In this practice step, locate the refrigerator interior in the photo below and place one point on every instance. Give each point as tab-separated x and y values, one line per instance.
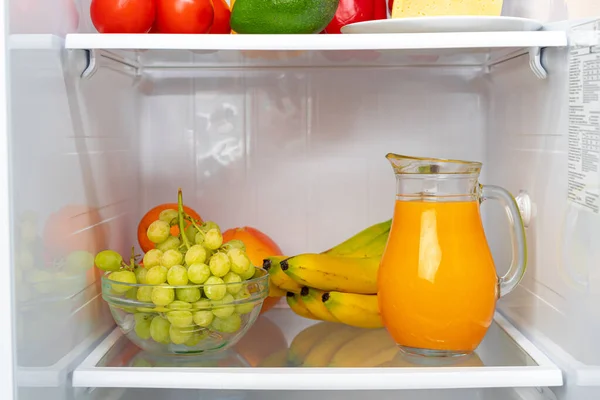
293	146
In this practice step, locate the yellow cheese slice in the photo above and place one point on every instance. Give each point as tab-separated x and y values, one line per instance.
431	8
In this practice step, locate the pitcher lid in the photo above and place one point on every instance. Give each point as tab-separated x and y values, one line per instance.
425	165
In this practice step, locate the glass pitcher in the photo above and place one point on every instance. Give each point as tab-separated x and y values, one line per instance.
437	283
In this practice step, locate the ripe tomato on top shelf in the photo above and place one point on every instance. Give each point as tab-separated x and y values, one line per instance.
122	16
184	16
222	16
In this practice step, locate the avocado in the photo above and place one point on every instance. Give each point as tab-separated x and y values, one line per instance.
282	16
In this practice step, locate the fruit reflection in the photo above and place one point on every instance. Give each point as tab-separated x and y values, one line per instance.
403	360
263	343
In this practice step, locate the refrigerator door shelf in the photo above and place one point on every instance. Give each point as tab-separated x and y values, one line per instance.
504	359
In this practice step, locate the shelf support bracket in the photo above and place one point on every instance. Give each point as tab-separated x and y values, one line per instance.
535	62
102	58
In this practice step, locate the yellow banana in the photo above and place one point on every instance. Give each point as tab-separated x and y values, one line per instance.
273	266
375	248
312	300
321	353
298	306
354	309
359	240
370	348
275	291
339	273
306	339
277	359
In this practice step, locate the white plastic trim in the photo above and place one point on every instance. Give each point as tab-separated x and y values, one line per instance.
55	375
460	40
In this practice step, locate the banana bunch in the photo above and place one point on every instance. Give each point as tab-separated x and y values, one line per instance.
338	285
326	344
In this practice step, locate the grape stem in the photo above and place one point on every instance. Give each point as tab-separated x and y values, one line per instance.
181	218
194	224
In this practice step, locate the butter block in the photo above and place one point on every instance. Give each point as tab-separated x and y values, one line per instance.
434	8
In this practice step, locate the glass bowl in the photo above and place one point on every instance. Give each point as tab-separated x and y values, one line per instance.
190	323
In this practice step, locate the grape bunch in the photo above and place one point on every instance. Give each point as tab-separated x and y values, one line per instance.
191	287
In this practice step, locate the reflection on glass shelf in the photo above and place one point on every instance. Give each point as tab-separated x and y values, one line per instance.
320	344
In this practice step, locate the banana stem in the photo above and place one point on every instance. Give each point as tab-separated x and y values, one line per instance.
181	217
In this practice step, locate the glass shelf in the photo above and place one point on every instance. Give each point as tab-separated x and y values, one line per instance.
268	358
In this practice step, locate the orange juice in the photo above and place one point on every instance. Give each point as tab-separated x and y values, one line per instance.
437	282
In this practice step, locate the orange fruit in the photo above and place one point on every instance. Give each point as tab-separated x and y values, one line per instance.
152	216
258	247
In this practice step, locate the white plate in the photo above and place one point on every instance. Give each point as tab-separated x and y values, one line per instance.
444	24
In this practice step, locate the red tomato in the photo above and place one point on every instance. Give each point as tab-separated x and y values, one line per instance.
222	17
122	16
184	16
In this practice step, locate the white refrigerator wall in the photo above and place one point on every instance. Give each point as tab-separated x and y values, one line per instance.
296	153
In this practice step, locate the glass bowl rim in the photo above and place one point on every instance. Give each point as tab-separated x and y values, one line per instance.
260	279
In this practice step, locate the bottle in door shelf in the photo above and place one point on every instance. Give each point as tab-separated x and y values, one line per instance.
435	8
437	283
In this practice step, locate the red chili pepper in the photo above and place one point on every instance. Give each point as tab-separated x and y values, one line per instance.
351	11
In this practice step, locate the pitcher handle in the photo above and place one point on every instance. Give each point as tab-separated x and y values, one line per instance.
517	235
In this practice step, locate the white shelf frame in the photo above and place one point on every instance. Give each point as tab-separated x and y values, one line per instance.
545	374
389	41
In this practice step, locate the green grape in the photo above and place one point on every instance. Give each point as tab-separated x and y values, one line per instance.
249	274
213	239
196	338
180	335
231	279
199	238
152	258
163	296
223	308
79	261
142	325
203	304
236	244
180	305
156	275
177	276
203	318
214	288
208	225
108	260
196	254
180	319
131	293
240	263
227	325
198	273
141	363
144	293
28	231
159	329
158	231
169	216
219	264
25	259
170	258
42	281
172	243
124	277
188	294
140	274
190	233
247	306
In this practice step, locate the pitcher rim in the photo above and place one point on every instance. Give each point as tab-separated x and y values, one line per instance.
450	160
